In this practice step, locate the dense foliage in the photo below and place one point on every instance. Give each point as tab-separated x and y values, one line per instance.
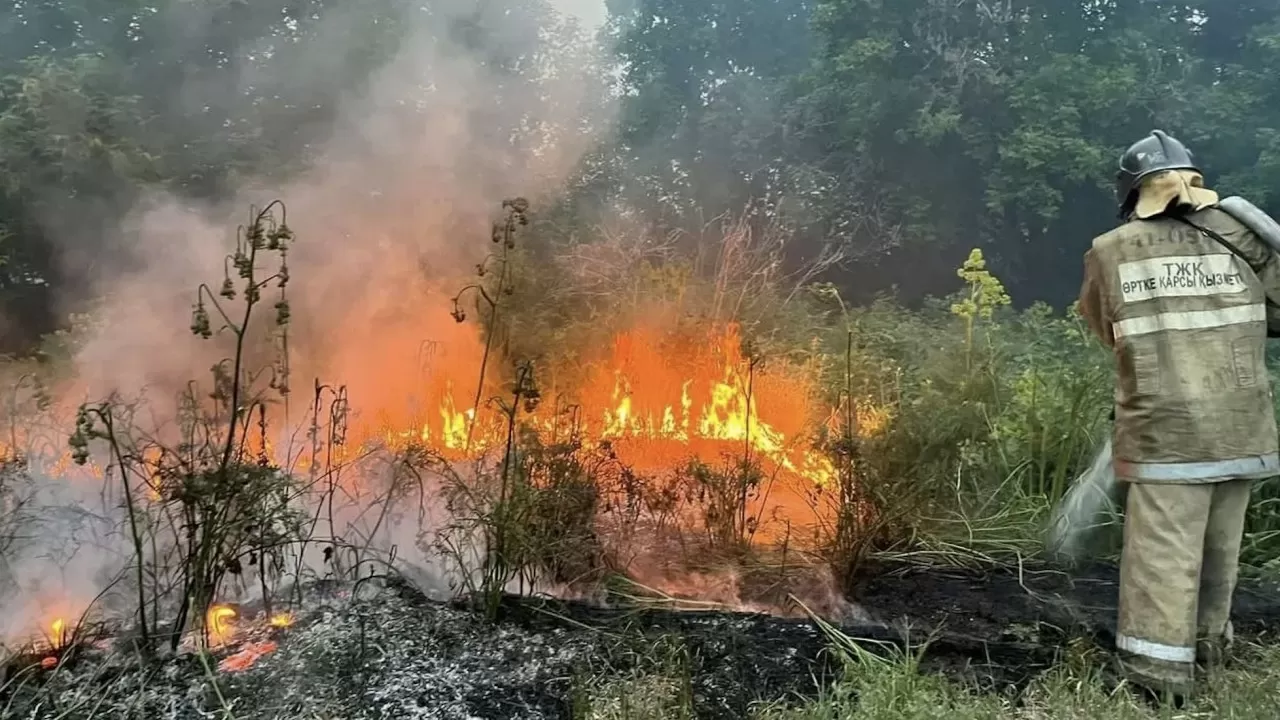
931	126
896	192
859	146
897	135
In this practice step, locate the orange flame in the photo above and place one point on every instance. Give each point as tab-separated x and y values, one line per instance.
658	398
654	386
661	399
699	396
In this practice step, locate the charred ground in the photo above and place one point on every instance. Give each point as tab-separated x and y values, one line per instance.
388	651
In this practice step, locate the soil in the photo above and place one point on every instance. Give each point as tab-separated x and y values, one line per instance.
992	604
391	652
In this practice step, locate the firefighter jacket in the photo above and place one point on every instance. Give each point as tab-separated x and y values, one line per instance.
1187	320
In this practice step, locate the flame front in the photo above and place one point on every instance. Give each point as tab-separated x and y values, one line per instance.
660	399
663	397
697	396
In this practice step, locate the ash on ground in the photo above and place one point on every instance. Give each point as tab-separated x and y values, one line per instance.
390	652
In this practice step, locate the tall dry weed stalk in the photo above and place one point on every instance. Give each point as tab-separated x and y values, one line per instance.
205	502
489	515
525	512
493	293
751	263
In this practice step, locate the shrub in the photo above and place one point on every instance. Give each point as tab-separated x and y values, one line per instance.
208	504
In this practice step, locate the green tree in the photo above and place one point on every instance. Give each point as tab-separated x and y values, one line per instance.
999	123
705	91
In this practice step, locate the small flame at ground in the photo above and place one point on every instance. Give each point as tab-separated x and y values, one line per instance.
220	624
57	635
281	620
58	641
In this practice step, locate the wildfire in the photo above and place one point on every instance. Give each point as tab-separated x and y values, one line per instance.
678	396
220	624
658	400
57	633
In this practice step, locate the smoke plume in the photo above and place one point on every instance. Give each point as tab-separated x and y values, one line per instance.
476	104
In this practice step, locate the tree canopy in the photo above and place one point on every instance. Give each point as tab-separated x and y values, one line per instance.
898	135
916	129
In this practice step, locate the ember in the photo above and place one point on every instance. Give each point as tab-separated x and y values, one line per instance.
247	656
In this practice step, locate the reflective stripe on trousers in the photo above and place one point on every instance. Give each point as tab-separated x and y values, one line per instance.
1177	575
1155	650
1246	467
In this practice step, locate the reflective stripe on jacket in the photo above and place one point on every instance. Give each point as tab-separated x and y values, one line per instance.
1187	320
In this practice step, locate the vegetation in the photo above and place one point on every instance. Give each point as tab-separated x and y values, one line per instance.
899	134
894	689
813	170
206	504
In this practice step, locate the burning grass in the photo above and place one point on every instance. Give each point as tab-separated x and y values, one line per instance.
758	454
665	436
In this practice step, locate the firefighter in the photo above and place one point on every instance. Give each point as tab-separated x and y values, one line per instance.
1182	293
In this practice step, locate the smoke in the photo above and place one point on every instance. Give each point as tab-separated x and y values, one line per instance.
475	104
590	14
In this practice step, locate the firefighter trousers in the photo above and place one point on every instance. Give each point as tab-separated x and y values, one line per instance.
1178	574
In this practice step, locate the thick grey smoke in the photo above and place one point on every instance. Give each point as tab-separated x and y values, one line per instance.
477	105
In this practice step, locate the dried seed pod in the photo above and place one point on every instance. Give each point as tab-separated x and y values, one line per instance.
282	313
200	324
